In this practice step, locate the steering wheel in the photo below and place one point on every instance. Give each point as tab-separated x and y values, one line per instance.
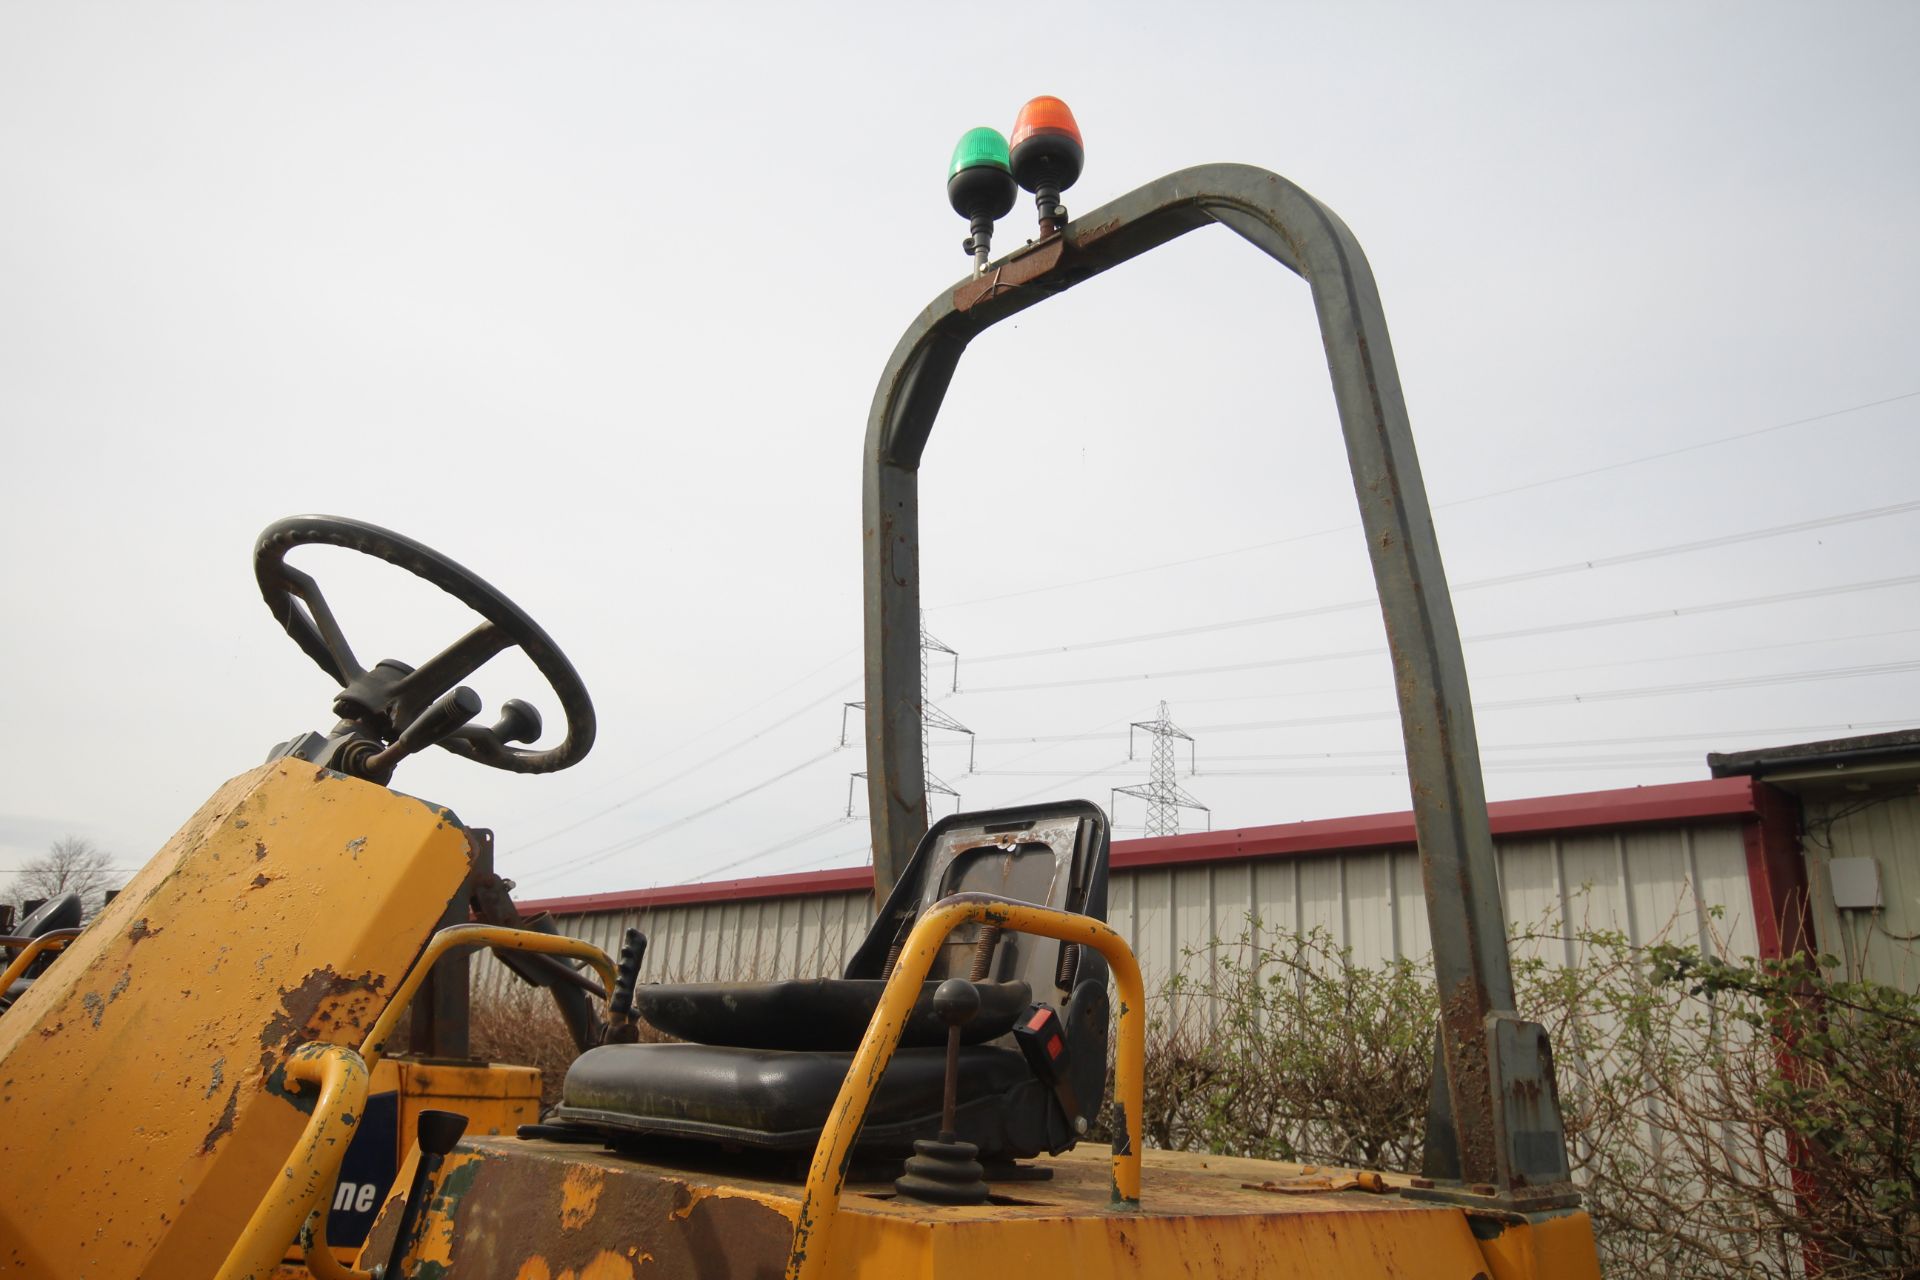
393	695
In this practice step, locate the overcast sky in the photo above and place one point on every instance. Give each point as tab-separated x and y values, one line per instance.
593	299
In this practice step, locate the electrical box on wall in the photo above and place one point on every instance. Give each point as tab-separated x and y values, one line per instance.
1856	884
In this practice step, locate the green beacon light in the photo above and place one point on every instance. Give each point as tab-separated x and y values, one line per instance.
980	188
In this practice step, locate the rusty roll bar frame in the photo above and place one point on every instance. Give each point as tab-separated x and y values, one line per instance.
1494	1121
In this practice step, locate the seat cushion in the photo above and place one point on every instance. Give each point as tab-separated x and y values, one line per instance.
814	1013
779	1099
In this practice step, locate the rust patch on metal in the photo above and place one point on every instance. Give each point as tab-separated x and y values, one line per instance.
224	1125
1020	268
259	850
639	1220
310	1003
139	933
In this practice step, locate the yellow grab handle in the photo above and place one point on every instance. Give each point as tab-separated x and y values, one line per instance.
374	1047
808	1258
342	1080
320	1260
55	940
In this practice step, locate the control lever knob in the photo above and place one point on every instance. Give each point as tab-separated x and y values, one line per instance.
439	1130
956	1001
621	1027
449	711
518	722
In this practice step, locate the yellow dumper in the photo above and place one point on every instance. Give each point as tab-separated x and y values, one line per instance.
181	1087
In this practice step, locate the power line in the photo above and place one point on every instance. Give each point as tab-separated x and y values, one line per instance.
1583	624
1052	789
1241	699
1383	770
1343	606
721	754
1511	704
1571	668
633	842
1443	506
816	832
1715	735
683	743
1531	575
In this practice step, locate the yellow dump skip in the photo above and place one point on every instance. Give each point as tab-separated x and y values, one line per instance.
151	1056
529	1210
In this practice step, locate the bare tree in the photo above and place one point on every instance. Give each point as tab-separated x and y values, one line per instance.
70	865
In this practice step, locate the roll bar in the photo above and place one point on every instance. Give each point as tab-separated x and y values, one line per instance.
1496	1120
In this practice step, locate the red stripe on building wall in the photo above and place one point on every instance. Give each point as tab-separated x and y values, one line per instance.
1666	805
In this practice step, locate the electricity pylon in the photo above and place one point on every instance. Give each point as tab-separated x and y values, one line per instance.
931	717
1164	796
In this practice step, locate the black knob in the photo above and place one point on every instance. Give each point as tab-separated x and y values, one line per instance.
956	1001
518	722
449	712
439	1130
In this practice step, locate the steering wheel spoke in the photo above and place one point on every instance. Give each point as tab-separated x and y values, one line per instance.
450	666
308	618
300	608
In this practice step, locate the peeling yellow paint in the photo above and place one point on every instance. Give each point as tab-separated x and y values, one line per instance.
580	1196
437	1228
695	1194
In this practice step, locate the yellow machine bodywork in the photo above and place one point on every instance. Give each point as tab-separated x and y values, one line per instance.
554	1212
495	1098
152	1058
538	1210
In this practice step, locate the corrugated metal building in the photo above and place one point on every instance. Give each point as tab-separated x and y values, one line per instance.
1859	814
1645	860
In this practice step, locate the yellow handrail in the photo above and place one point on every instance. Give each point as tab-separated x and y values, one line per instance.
320	1259
53	940
342	1080
321	1262
807	1259
374	1047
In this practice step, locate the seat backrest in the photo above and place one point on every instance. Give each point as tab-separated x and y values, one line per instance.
62	912
1051	855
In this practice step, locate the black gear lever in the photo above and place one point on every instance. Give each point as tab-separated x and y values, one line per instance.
945	1170
437	1132
448	713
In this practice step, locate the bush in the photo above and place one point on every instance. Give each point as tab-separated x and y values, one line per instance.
514	1023
1725	1116
1352	1092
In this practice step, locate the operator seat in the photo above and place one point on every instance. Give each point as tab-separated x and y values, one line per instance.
62	912
761	1063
